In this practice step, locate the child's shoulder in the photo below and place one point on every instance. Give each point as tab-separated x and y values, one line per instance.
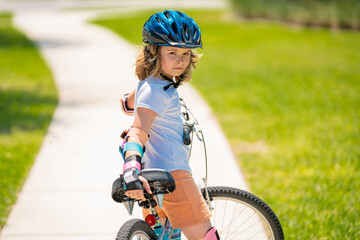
151	93
154	81
154	84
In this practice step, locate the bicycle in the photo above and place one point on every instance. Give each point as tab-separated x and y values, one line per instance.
237	214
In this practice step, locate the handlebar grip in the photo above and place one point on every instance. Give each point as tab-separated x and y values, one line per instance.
186	135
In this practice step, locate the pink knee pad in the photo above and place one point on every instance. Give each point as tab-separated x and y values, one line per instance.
212	234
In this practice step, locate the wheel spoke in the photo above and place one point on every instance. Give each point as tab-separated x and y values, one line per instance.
240	215
223	220
232	218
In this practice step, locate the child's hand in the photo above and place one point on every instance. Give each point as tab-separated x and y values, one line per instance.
139	194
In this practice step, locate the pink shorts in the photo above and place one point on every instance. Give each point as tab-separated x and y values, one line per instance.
185	206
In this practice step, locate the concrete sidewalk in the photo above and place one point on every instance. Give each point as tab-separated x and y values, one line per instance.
67	194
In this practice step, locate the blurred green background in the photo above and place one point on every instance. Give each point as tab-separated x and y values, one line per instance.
28	98
329	13
286	96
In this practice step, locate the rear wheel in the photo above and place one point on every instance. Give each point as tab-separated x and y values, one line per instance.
136	229
238	214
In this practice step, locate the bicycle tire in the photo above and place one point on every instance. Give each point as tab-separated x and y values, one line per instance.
136	229
238	214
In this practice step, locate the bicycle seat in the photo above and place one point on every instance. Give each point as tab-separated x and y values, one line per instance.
160	181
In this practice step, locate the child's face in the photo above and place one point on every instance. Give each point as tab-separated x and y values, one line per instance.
174	60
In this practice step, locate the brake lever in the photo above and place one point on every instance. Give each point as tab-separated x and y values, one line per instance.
198	131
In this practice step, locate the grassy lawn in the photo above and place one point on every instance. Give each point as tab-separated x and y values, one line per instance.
330	13
288	101
28	98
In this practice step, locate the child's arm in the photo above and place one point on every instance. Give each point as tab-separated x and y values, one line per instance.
127	103
143	120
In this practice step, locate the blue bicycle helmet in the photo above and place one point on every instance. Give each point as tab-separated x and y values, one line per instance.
172	28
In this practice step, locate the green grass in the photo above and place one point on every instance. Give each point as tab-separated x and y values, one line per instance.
288	101
329	13
28	98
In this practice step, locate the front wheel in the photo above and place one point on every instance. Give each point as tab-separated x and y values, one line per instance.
238	214
136	229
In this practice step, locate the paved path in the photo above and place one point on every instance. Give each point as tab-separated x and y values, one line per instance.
67	194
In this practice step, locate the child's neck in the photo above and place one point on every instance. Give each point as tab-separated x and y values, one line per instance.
168	77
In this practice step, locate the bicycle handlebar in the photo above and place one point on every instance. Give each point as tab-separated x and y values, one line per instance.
186	134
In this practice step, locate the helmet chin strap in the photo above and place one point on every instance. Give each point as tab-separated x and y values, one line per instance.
172	83
166	77
147	51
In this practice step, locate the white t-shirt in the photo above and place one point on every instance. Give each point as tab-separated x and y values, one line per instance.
165	148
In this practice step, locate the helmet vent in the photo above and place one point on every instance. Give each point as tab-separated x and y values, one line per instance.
158	20
180	13
167	14
186	30
174	28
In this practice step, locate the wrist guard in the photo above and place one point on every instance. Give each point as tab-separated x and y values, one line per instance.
124	107
131	171
126	146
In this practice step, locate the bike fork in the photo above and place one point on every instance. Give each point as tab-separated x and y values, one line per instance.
166	231
207	197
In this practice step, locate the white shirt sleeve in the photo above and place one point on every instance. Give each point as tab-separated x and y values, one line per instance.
152	96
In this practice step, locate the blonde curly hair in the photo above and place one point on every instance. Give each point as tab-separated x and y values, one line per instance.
148	64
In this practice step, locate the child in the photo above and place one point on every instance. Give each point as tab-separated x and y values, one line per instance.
164	64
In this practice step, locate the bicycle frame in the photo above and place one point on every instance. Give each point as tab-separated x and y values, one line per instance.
247	214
